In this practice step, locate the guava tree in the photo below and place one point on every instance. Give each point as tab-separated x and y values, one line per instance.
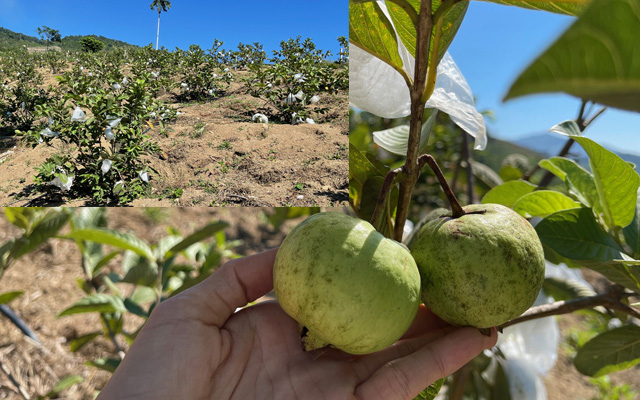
585	217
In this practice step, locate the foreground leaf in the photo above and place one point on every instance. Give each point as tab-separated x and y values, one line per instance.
569	7
105	364
579	181
576	234
610	351
114	238
196	237
542	203
371	30
616	183
8	296
508	193
101	302
595	59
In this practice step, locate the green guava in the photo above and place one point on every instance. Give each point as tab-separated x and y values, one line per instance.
481	269
346	284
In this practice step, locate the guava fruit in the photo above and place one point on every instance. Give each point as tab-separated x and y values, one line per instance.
346	284
481	269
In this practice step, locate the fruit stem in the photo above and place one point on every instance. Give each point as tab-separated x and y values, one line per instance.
456	208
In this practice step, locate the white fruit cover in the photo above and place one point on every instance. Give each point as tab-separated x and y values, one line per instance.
376	87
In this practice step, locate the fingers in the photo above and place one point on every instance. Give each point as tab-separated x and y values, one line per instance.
405	377
425	321
232	286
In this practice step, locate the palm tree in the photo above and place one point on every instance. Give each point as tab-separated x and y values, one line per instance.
160	5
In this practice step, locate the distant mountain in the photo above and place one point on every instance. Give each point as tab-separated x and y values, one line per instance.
550	144
10	39
497	150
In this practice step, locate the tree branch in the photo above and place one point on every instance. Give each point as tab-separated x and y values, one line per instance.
610	299
423	39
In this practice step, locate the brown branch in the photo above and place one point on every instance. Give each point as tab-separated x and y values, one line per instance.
610	299
410	168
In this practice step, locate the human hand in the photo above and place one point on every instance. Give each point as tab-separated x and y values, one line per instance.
195	346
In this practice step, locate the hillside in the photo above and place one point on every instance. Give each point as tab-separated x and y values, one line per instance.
497	150
15	40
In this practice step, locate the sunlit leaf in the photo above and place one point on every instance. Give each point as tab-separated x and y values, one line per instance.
372	31
569	7
542	203
508	193
594	59
100	302
114	238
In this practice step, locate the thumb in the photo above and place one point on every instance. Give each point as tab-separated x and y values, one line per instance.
232	286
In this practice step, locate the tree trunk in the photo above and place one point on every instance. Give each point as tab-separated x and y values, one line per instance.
158	35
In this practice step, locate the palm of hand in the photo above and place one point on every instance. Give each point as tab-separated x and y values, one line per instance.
195	347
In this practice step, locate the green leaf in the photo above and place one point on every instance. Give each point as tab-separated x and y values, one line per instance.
610	351
594	59
542	203
139	270
143	295
135	308
616	183
565	289
579	181
114	238
105	364
8	296
576	234
196	237
430	392
631	232
371	30
508	193
568	128
46	228
485	174
501	389
569	7
360	170
19	216
65	383
103	261
627	275
100	302
278	215
406	30
79	342
510	173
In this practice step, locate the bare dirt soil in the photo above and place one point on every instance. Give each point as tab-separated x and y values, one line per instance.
214	155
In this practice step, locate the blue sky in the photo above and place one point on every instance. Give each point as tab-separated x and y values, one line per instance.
494	44
187	22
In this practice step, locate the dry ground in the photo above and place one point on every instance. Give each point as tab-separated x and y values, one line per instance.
218	157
